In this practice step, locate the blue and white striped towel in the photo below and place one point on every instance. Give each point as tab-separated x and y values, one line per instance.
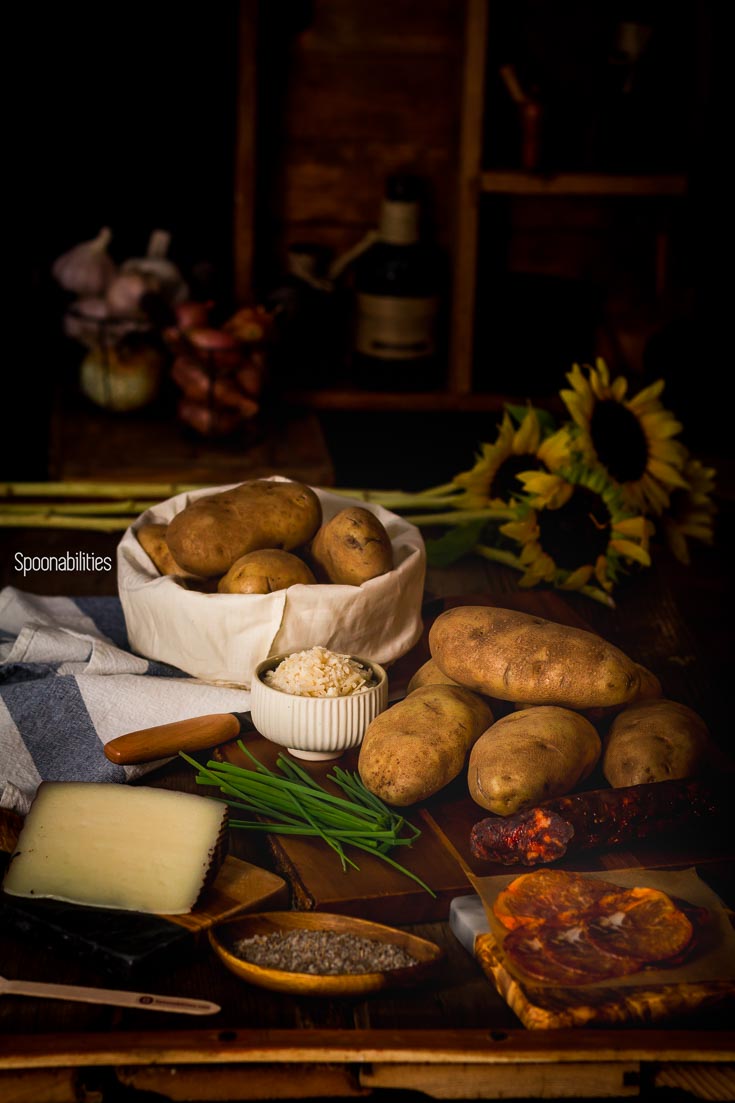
69	684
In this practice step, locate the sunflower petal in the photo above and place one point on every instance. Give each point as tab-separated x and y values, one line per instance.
631	551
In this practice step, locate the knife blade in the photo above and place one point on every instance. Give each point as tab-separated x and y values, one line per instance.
196	733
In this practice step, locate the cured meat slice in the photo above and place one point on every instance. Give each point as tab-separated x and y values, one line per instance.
549	896
564	954
641	923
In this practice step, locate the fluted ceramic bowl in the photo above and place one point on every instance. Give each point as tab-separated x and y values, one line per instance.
315	728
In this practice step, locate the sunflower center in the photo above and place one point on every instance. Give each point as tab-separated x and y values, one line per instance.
505	484
619	441
578	532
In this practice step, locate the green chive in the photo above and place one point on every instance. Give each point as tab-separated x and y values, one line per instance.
291	802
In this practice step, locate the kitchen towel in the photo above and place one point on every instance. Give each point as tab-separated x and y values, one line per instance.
69	684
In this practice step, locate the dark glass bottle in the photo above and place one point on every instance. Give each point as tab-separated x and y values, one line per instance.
396	285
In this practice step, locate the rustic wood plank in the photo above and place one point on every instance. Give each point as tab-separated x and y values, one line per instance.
467	210
394	401
443	1046
40	1086
245	151
384	28
712	1082
153	446
603	1080
228	1082
502	182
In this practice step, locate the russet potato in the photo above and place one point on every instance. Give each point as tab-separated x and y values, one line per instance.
656	740
418	746
212	532
531	756
351	548
519	657
263	572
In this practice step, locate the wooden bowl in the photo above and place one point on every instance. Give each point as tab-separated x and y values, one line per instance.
224	937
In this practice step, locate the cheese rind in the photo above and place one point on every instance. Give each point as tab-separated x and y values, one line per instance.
116	846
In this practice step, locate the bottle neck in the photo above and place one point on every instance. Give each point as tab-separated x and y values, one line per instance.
399	222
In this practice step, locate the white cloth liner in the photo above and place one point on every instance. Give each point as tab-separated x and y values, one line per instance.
220	638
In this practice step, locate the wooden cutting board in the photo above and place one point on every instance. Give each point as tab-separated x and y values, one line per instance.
441	856
548	1008
703	978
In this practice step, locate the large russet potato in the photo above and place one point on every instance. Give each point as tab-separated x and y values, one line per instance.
351	548
649	688
531	756
264	571
418	746
654	741
212	532
519	657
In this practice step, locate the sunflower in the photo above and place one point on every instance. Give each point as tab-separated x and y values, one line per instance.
691	511
493	481
572	527
630	438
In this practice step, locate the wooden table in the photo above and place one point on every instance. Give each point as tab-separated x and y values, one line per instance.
151	445
451	1038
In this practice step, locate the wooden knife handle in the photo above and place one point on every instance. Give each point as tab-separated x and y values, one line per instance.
195	734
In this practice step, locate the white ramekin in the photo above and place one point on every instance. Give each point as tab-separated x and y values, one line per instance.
315	728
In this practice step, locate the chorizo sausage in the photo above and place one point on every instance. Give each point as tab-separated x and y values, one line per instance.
599	818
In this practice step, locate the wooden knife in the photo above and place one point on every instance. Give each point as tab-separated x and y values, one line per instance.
195	734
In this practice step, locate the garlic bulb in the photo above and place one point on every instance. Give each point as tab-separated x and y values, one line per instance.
161	274
125	292
87	269
82	321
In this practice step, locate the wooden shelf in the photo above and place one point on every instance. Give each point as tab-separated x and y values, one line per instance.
410	401
603	184
152	446
475	180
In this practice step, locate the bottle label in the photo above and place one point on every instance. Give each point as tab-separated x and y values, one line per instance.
390	328
399	222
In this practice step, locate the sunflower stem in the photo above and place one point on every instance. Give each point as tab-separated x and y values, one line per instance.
597	595
461	516
497	555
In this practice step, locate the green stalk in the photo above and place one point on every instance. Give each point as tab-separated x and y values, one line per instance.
97	509
460	516
296	804
597	595
507	558
400	499
95	490
294	786
45	521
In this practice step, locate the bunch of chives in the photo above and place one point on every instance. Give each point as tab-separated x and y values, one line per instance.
292	803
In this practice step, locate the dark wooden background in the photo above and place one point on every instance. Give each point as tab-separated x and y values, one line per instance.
128	117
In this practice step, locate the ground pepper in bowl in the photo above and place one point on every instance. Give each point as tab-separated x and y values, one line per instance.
323	953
